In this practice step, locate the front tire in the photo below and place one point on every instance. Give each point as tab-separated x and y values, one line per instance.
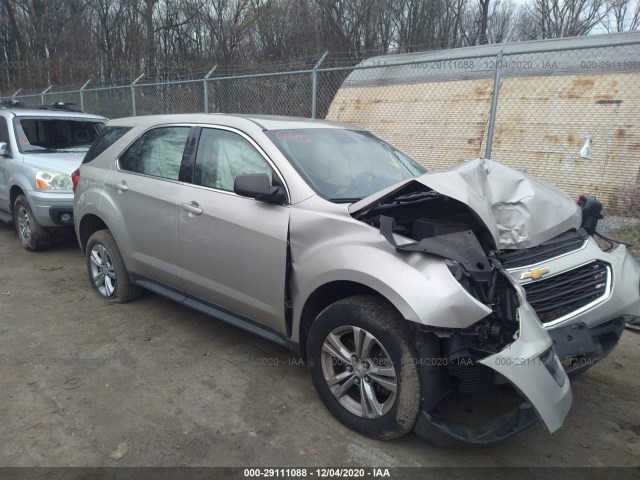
363	366
107	272
34	237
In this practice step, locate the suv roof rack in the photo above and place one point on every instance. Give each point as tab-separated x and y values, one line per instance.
69	106
12	103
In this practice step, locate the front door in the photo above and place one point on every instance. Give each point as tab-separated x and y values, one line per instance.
232	249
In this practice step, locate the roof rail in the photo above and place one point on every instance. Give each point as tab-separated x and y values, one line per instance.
12	103
61	106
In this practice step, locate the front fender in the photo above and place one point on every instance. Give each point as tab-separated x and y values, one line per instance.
328	245
19	179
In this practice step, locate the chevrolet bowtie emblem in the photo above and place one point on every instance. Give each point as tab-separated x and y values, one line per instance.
534	273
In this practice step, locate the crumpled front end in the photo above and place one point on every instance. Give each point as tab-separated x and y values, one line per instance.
466	216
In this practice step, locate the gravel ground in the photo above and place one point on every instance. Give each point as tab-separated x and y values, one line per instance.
85	383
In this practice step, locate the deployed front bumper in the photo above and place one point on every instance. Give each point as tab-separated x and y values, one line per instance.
531	365
536	372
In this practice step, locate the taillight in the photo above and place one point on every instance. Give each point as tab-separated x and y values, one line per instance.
75	178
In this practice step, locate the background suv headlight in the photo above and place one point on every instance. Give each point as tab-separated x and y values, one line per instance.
46	180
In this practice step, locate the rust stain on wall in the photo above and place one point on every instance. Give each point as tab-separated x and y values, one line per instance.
580	87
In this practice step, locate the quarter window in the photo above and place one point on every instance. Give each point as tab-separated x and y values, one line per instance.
222	156
157	153
108	137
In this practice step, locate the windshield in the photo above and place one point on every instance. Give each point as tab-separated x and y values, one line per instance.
344	165
46	135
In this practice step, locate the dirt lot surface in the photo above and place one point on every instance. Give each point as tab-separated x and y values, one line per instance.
85	383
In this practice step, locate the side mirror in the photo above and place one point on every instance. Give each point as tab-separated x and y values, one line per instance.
4	149
258	186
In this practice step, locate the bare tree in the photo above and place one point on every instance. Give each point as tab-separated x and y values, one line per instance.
564	18
622	15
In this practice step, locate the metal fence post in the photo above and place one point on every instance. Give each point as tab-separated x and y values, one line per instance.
205	87
43	94
82	94
494	104
133	95
314	85
13	97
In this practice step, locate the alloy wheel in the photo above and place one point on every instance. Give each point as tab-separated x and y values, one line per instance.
103	272
359	372
24	224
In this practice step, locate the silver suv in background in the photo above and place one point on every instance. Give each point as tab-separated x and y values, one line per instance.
39	149
402	288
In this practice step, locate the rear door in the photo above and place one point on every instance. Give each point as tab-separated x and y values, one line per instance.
232	249
141	198
4	180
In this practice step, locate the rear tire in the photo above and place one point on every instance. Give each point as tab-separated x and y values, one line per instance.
363	365
34	237
107	272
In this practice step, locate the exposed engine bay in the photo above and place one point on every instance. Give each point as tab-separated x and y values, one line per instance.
450	230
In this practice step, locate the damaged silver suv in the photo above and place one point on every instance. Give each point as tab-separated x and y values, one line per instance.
403	289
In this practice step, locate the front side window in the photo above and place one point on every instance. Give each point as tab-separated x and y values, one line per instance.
222	156
50	135
157	153
344	165
4	132
108	137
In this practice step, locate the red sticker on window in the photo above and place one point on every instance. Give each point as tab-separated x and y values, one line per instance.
292	137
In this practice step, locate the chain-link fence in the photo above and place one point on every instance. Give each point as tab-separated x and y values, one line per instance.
566	111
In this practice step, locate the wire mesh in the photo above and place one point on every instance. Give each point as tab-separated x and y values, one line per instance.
571	119
435	111
284	94
66	97
109	102
568	116
169	98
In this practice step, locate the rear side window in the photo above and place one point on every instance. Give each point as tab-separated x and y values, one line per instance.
108	137
157	153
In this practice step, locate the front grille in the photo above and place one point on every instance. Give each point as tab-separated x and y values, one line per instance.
560	295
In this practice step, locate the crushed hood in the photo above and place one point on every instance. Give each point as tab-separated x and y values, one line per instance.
518	211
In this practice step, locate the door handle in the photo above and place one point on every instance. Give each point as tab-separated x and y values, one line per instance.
121	187
192	208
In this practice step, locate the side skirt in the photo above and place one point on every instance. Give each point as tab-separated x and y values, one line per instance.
211	309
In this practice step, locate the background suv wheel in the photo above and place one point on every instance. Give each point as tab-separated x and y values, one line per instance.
363	366
33	236
107	272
